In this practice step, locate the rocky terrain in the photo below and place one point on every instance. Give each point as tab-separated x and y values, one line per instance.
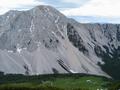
44	41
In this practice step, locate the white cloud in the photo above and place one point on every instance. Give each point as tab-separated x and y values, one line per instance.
75	2
72	1
106	8
6	5
109	9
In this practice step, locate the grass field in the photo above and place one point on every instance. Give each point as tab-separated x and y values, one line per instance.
56	82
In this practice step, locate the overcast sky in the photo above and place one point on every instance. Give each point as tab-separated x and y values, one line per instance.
82	10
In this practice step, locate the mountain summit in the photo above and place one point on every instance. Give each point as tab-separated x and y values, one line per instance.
44	41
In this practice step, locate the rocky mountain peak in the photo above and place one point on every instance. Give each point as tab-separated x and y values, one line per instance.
41	40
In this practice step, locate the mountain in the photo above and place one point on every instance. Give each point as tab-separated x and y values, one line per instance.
44	41
94	19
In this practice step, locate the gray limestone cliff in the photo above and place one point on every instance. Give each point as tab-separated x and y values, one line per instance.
42	41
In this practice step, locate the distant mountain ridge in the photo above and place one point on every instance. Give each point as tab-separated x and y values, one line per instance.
44	41
96	19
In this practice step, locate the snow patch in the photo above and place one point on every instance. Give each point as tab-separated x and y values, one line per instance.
73	71
56	21
32	26
19	50
10	51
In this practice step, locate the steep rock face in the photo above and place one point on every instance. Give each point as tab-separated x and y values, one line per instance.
105	43
42	41
75	38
